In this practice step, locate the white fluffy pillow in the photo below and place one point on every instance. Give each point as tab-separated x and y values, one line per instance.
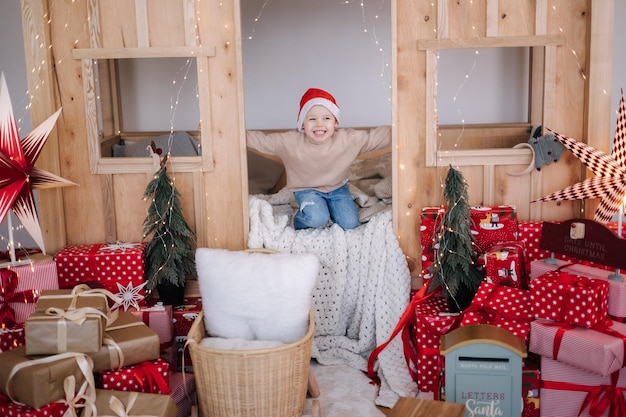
256	296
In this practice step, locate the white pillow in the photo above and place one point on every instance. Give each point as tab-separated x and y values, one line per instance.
256	296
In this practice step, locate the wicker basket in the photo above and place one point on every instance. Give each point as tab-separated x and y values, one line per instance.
250	383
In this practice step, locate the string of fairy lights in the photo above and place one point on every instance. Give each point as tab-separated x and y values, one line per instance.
369	29
436	239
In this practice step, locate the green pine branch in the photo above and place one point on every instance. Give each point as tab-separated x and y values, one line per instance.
170	253
456	260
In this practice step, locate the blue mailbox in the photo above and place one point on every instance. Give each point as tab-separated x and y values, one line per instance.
483	370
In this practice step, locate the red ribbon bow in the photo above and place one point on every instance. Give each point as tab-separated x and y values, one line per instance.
149	378
599	398
9	281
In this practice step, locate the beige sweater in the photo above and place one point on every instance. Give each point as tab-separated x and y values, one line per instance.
323	167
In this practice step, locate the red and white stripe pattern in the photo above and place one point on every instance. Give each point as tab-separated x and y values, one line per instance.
609	184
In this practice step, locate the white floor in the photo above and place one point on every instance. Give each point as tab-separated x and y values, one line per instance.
344	392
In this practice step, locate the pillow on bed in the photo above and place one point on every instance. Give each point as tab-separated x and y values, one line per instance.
183	144
256	296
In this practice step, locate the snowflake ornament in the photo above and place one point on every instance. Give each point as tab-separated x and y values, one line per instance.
609	184
129	295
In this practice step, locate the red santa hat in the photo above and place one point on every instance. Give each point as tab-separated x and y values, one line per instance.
316	97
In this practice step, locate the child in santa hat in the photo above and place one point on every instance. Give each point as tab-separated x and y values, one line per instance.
317	159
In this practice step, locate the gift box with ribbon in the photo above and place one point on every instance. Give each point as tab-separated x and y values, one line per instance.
68	321
432	320
604	346
21	285
126	403
569	298
127	341
10	409
617	288
147	376
115	266
40	380
502	306
570	391
159	318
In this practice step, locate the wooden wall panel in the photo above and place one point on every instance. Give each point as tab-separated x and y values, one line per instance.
224	205
118	27
166	23
516	17
83	205
466	19
214	200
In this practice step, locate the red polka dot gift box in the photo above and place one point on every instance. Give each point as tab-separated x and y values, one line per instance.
11	337
569	298
502	306
617	288
116	266
10	409
432	320
148	376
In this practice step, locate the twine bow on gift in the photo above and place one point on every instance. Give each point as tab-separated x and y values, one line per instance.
8	285
120	411
77	316
81	399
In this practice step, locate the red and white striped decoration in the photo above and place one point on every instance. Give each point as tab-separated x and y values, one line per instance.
609	184
38	276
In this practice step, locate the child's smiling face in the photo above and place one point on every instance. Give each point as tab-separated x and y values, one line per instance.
319	124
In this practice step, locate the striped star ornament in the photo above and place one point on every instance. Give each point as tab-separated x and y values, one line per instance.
609	184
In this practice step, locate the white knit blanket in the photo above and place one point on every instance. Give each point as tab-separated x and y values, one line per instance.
362	290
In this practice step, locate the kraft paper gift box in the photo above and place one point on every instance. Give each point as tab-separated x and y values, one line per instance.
502	306
27	282
599	350
106	264
569	298
10	409
505	264
147	376
125	403
493	225
38	380
67	321
432	320
570	391
127	341
617	289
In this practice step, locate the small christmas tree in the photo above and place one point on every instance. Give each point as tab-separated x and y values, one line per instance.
170	253
455	267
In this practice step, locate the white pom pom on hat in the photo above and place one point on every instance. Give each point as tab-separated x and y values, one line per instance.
316	97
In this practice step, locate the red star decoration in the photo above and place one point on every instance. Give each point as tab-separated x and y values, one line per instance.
609	184
18	174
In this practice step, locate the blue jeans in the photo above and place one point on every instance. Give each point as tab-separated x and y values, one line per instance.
317	208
